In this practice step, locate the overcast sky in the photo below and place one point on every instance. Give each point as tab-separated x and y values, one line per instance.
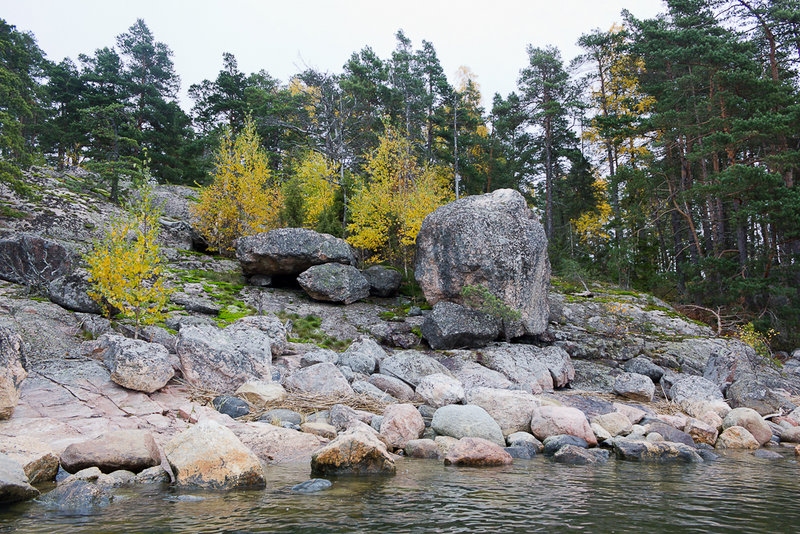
286	36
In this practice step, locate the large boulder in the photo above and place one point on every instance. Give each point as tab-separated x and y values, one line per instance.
492	240
319	379
210	455
477	452
11	371
635	387
439	390
411	366
362	356
131	450
694	388
534	368
33	261
383	282
72	292
474	375
512	409
290	251
549	421
467	421
136	364
737	437
393	386
753	392
14	484
451	326
78	496
354	452
334	282
224	359
401	423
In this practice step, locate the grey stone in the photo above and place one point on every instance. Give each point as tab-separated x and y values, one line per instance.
692	388
753	392
72	292
511	409
707	455
553	444
670	433
411	366
319	356
493	240
452	326
467	421
521	364
662	451
312	486
12	373
474	375
362	356
290	251
363	387
230	405
319	379
519	439
644	366
131	450
334	282
224	359
282	415
383	282
14	486
635	386
439	390
573	455
764	454
393	386
78	496
523	451
31	260
136	364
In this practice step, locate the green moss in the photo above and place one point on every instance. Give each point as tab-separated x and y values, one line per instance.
306	330
7	211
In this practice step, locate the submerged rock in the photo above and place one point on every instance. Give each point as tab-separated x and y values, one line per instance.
312	486
477	452
354	452
14	486
492	240
78	496
210	455
662	451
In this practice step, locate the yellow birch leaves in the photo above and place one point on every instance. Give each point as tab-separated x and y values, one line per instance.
391	203
125	267
243	199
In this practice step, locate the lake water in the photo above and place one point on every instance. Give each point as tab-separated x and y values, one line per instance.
737	493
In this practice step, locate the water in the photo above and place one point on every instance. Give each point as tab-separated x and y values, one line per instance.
738	493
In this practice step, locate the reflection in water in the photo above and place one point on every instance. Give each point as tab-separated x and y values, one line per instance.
736	493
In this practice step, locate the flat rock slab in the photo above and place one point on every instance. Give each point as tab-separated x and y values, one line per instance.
132	450
290	251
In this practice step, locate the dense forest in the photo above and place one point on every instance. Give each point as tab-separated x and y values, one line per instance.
662	159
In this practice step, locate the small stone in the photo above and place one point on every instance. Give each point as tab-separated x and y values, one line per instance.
260	393
670	433
14	485
644	366
319	429
354	452
572	455
230	405
601	433
282	415
116	479
615	423
312	486
152	475
633	413
343	417
767	455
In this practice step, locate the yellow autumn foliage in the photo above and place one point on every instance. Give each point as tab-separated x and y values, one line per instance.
390	204
316	175
243	199
125	267
592	226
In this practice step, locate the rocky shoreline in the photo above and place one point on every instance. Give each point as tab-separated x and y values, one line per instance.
236	379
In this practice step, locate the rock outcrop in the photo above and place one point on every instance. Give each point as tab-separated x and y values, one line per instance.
11	371
491	240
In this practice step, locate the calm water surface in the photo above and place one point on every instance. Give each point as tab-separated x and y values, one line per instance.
735	494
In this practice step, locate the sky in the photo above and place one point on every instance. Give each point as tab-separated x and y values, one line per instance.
285	37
